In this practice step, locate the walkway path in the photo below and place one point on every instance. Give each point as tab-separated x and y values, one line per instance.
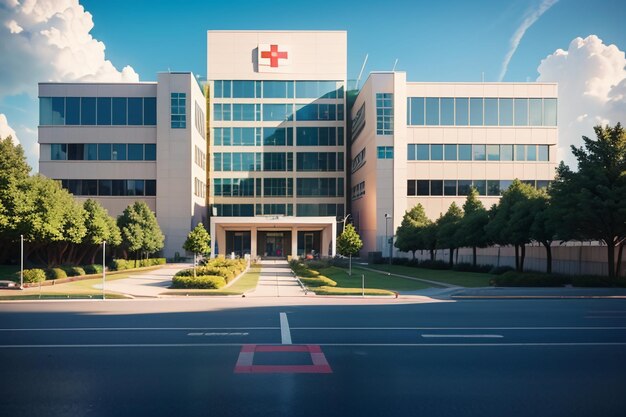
146	284
277	280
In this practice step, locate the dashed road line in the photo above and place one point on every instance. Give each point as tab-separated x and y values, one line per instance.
285	334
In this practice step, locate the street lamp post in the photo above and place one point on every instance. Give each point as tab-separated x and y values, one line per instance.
104	271
344	222
388	217
21	262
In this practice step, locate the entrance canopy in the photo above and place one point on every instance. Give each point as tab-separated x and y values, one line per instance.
274	236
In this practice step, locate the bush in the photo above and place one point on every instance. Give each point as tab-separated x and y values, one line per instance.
317	264
34	275
73	271
467	267
123	264
437	264
499	270
400	261
319	281
199	282
530	279
93	269
55	273
597	281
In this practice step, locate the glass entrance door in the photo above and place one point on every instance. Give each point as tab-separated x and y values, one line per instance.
274	245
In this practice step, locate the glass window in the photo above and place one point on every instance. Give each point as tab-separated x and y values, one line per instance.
436	187
307	136
504	184
104	111
58	152
410	154
118	187
149	111
75	152
150	152
135	152
506	152
549	112
432	111
417	111
464	187
481	186
278	112
91	152
479	152
449	187
104	187
436	152
506	112
135	111
423	187
88	111
45	111
461	111
277	136
465	152
58	110
491	112
118	151
119	111
521	112
243	89
543	153
104	151
520	152
535	112
476	111
243	112
410	188
542	184
279	89
72	111
423	152
450	152
384	113
178	111
447	111
493	187
244	136
531	152
493	152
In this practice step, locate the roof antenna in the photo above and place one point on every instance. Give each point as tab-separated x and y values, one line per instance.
394	65
361	73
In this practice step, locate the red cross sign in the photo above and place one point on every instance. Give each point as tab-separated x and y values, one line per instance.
273	56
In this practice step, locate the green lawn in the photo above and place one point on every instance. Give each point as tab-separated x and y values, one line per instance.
349	291
462	279
244	284
373	280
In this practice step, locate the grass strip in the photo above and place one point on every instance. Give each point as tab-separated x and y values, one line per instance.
349	291
373	280
458	278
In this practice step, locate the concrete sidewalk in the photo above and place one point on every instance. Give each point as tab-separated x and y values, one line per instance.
277	280
146	284
536	293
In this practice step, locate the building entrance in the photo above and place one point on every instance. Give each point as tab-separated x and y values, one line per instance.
274	244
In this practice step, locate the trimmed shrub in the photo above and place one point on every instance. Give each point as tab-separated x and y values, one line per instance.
319	281
317	264
123	264
34	275
529	279
467	267
199	282
73	271
55	273
499	270
436	264
93	269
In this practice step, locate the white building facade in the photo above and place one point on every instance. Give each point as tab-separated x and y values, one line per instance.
428	143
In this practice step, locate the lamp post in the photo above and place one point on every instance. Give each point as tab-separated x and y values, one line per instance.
21	262
344	222
104	271
388	217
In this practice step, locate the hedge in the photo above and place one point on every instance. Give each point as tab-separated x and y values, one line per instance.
319	281
34	275
122	264
74	271
530	279
55	273
199	282
93	269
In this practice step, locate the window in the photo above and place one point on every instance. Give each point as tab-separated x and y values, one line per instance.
506	112
149	111
479	152
319	187
416	111
135	152
385	152
72	111
491	112
464	187
506	152
278	136
423	152
461	111
104	151
543	153
277	161
244	89
465	152
493	187
531	152
244	112
318	89
481	186
359	160
88	111
447	111
319	161
384	114
150	152
436	152
549	112
104	111
521	112
306	210
493	152
476	111
245	136
58	152
450	152
432	111
132	187
278	89
520	152
119	111
449	187
118	151
278	187
277	112
436	187
535	112
318	136
358	190
135	111
178	110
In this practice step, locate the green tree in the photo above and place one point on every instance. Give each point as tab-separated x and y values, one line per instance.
349	243
428	238
100	227
591	203
447	226
471	230
408	237
197	242
140	230
543	227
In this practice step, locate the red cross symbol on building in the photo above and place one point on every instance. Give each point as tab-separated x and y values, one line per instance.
273	55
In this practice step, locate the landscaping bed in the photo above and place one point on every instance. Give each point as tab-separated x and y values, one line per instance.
213	275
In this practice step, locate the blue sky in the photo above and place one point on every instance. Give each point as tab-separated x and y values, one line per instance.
433	41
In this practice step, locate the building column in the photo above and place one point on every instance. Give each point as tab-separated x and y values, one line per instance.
253	241
333	239
294	242
213	237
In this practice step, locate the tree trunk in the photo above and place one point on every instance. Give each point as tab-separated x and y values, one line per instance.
413	252
451	259
610	247
432	255
517	258
548	257
474	255
522	257
618	271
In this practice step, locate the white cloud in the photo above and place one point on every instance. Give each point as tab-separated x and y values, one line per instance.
592	89
6	130
49	40
530	18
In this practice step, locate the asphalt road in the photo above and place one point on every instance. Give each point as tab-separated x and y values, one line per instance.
233	357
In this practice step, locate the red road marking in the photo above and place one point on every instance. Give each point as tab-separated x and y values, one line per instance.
245	362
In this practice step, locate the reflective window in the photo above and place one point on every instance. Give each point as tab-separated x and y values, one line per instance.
118	151
506	112
151	187
91	151
277	136
478	152
149	111
549	112
447	111
384	113
58	110
520	152
422	187
135	152
542	184
465	152
535	112
45	111
543	153
449	187
476	111
423	152
461	111
436	187
317	112
493	152
450	152
72	110
491	112
436	152
504	184
493	187
243	89
104	151
531	152
506	152
119	111
75	151
432	111
104	111
417	111
243	112
481	186
277	112
178	110
385	152
88	111
277	89
58	152
135	111
244	136
150	152
521	112
464	187
317	89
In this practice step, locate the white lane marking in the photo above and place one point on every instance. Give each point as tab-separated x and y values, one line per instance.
195	334
110	329
469	336
285	334
145	345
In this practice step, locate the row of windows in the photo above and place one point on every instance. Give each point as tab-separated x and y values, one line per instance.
384	114
385	152
479	111
103	152
200	158
277	89
478	152
200	121
303	210
277	161
101	111
277	136
277	187
178	110
462	187
227	112
199	188
110	187
358	190
319	187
